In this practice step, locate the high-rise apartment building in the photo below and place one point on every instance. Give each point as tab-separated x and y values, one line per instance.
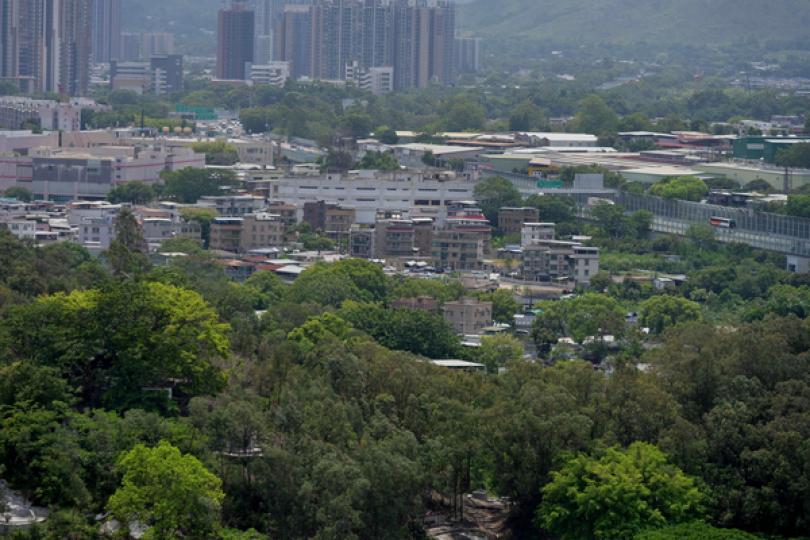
45	45
130	47
35	26
75	46
268	15
235	42
8	39
268	12
377	39
156	43
136	46
167	73
424	34
332	38
468	54
106	30
292	40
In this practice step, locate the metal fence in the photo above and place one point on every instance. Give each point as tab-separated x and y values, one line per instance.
525	183
785	234
745	218
774	232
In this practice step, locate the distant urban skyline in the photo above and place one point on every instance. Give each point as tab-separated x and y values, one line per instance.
345	40
379	45
46	45
235	41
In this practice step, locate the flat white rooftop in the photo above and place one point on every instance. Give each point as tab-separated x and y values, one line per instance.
457	364
438	149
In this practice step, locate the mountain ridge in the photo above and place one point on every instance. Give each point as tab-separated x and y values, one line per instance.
621	22
570	22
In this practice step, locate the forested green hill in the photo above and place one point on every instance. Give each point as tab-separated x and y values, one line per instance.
632	21
192	21
164	15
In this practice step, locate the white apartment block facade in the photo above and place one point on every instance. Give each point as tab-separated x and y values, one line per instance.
559	260
233	205
97	233
377	80
158	230
369	192
21	228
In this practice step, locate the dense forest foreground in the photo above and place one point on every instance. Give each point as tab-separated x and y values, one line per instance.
172	398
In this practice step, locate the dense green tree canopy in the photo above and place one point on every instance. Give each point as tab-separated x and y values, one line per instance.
612	219
797	156
499	350
269	286
127	252
170	493
783	300
687	188
412	330
661	312
379	161
188	185
504	305
329	426
357	124
694	531
36	385
496	193
594	116
337	161
317	330
125	345
217	152
351	279
441	290
19	193
40	456
798	205
463	114
618	495
588	315
28	271
527	117
131	192
553	209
